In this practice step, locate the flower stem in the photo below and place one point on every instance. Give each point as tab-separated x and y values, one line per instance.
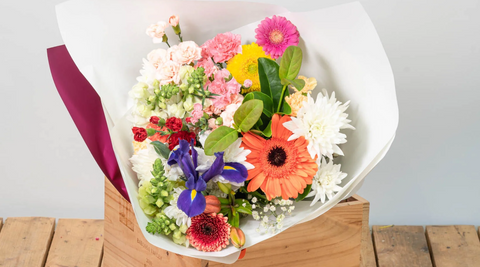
167	43
281	98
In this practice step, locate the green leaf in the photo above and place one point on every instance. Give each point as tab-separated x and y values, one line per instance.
270	82
151	131
234	220
161	149
285	109
267	132
304	194
267	102
220	139
297	83
247	115
244	210
291	63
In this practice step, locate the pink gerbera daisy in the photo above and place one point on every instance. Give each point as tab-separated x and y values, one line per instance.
275	35
209	232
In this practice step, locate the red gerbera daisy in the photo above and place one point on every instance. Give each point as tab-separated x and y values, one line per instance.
209	232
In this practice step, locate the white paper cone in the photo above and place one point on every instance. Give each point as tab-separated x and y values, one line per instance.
107	41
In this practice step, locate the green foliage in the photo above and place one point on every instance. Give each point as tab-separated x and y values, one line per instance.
161	224
290	64
270	83
161	148
297	83
154	195
303	195
267	102
248	114
220	139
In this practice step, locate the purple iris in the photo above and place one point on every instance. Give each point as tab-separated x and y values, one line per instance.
191	200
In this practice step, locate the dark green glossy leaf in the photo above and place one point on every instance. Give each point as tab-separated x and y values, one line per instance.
270	82
220	139
161	149
304	194
291	63
248	114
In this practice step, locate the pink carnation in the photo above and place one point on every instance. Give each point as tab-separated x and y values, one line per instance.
185	52
208	65
227	115
226	91
197	112
223	47
169	72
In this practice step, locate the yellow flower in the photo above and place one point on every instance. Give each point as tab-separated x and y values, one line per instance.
296	102
310	84
245	66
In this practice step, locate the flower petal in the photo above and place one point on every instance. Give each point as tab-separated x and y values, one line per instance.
215	169
191	202
235	172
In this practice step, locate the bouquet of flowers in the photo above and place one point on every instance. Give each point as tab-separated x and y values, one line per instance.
223	132
239	118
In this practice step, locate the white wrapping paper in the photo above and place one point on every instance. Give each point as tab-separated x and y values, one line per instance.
107	41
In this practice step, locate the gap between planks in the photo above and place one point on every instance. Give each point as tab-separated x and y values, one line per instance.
437	246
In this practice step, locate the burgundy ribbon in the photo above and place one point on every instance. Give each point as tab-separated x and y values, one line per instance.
85	108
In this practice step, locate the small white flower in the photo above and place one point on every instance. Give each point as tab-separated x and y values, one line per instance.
254	206
284	209
279	226
244	205
265	219
254	200
280	218
272	208
265	209
320	123
326	181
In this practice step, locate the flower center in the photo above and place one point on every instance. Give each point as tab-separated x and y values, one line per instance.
317	129
277	156
276	36
207	229
252	68
327	180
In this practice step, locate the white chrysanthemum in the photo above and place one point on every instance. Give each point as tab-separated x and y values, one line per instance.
148	73
320	123
173	211
236	153
174	172
143	163
326	181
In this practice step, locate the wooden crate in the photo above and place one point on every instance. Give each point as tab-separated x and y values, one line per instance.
331	240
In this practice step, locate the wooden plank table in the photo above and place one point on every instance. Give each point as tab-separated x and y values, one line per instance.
27	242
31	242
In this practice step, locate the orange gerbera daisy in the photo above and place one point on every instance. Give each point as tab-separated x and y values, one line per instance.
282	168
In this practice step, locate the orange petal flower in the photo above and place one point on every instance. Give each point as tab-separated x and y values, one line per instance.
282	168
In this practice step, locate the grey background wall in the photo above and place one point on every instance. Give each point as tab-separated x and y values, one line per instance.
430	175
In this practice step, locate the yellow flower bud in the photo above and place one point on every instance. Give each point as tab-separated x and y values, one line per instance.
237	236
